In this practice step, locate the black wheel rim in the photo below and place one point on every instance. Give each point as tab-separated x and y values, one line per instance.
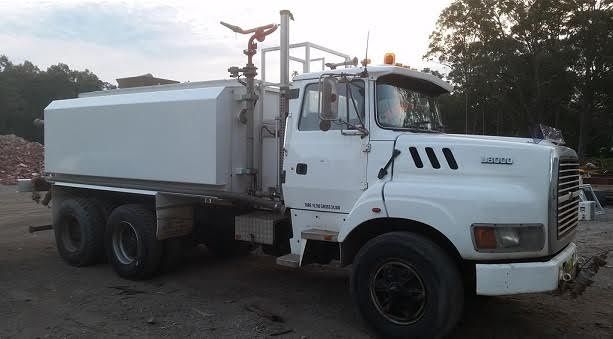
398	292
71	235
125	242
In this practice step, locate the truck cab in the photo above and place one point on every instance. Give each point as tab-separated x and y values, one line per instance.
387	156
503	211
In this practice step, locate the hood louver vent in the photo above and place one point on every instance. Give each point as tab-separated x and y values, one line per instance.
416	157
434	160
450	158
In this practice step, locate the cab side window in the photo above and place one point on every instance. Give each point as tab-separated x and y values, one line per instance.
309	116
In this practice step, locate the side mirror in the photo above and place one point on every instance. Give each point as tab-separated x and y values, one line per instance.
329	99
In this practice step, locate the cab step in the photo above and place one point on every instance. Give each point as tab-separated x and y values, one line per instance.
289	260
320	235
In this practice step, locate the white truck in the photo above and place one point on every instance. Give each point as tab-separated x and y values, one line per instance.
348	164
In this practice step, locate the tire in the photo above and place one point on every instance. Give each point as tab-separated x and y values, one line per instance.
105	207
399	264
131	244
79	232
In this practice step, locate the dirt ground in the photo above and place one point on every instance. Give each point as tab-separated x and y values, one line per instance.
41	296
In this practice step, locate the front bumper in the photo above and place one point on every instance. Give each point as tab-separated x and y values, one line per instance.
530	277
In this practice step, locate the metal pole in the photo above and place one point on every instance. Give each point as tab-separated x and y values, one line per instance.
284	72
249	99
283	92
307	59
258	126
312	45
263	66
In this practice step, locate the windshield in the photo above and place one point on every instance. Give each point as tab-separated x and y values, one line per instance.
404	108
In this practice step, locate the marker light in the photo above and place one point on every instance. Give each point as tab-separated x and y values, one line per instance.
389	58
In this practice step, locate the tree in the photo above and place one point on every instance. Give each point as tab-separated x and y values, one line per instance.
590	39
516	63
25	91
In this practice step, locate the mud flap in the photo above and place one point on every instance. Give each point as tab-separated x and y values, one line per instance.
174	216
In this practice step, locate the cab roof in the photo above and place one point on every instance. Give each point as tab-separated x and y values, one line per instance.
394	73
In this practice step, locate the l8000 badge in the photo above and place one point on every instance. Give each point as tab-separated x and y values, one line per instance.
497	160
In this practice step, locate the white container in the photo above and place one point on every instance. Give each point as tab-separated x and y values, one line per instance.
170	134
587	210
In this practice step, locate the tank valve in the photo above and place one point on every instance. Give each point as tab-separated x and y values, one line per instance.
242	116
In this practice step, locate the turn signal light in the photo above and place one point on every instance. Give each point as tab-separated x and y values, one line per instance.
389	58
485	237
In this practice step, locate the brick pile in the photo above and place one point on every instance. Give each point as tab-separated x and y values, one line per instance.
19	158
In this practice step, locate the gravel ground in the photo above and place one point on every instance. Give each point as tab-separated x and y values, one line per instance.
40	296
19	158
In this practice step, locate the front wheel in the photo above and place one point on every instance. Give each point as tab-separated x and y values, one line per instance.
406	286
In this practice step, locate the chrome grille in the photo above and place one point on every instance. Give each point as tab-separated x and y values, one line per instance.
568	197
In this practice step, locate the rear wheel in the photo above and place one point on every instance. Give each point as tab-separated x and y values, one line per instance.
406	286
79	232
132	246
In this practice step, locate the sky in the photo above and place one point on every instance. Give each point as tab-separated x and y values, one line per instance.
183	40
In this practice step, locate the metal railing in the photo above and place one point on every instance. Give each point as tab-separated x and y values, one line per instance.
283	86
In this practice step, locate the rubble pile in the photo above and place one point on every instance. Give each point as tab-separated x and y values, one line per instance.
19	158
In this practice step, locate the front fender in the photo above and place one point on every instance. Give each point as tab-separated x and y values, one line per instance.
452	208
418	207
362	210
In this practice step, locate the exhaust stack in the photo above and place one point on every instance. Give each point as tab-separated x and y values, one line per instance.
286	15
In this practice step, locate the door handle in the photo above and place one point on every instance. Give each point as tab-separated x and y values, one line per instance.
301	169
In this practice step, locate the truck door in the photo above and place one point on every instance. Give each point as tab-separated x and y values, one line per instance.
326	170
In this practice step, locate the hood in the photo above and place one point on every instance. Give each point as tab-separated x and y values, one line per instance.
486	179
435	155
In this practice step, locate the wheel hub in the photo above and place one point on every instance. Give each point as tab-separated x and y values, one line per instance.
125	243
398	292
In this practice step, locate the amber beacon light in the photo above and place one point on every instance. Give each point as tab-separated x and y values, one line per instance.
389	59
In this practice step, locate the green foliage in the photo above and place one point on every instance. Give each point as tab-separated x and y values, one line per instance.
515	63
25	91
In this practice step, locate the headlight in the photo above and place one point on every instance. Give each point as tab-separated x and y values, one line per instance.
508	237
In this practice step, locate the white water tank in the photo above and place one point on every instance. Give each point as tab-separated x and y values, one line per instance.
185	133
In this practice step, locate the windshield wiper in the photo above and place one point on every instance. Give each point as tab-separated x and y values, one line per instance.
419	123
417	127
